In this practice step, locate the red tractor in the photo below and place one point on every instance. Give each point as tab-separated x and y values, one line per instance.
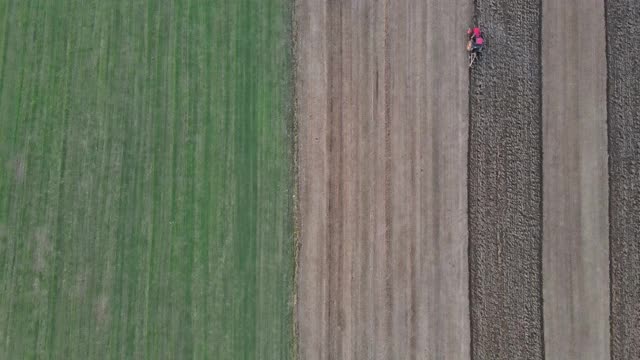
475	45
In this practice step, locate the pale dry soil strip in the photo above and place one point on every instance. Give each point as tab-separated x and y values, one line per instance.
576	236
382	110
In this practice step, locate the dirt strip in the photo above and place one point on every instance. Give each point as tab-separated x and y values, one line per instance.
382	110
505	184
623	107
576	236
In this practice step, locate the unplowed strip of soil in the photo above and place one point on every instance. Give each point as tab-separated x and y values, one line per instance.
505	184
623	53
382	106
576	237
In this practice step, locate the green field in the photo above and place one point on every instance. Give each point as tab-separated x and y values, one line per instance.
145	179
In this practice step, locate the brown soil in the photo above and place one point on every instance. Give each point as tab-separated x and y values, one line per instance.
382	100
623	107
575	226
505	184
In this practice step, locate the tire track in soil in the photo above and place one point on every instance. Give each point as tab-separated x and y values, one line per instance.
388	218
505	184
623	112
335	148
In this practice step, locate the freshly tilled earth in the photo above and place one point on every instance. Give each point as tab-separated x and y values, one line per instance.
505	184
623	56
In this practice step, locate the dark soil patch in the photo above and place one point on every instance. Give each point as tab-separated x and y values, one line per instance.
505	184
